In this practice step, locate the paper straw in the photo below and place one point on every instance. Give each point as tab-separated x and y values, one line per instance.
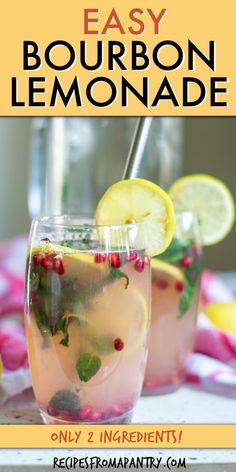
137	147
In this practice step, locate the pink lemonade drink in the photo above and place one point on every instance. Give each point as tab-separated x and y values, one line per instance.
175	297
87	320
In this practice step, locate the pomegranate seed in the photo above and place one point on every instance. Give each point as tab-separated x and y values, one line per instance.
67	415
47	264
151	383
117	410
37	258
162	284
115	260
52	411
118	344
96	415
163	381
58	266
43	258
175	376
139	264
75	415
131	256
34	296
186	261
196	250
179	286
51	256
106	414
99	258
128	404
46	240
84	413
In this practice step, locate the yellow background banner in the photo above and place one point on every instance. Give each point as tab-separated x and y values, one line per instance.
127	436
33	92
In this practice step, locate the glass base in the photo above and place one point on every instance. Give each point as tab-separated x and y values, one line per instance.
123	419
164	386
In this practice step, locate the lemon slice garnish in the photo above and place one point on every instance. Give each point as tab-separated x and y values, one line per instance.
121	313
139	201
212	202
169	269
222	315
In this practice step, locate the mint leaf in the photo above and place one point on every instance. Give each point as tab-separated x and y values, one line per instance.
41	320
190	279
87	366
176	251
173	255
63	326
34	281
37	308
186	298
65	400
118	274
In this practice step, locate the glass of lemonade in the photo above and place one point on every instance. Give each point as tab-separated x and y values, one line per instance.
175	296
87	319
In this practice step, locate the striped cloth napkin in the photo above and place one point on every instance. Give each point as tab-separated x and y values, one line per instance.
13	352
213	364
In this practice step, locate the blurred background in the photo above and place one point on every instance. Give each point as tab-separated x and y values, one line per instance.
65	164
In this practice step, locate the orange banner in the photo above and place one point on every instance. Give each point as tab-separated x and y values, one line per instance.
126	58
127	436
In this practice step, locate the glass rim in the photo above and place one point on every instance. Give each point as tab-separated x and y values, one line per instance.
87	221
78	221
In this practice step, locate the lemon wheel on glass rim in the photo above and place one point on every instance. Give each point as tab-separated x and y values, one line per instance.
135	201
211	200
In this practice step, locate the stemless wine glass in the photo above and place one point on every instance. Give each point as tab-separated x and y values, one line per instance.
87	318
175	296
